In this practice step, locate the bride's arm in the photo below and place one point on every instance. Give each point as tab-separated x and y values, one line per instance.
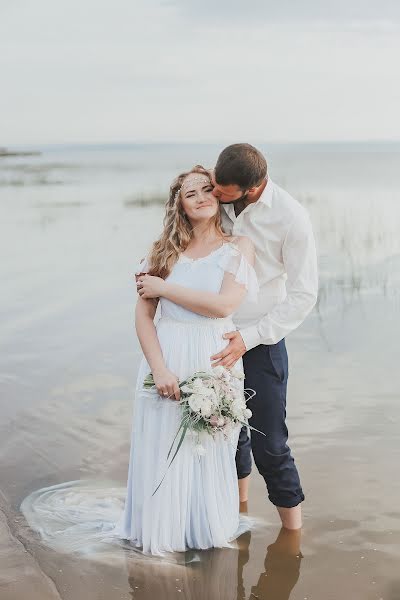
209	304
147	334
165	381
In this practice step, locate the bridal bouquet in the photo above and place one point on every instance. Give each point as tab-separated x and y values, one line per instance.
211	402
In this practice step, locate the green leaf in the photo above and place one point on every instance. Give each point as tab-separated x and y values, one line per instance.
185	428
252	428
176	435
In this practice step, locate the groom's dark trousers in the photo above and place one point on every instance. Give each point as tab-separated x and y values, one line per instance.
266	372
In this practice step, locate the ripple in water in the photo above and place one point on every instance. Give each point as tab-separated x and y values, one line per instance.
81	517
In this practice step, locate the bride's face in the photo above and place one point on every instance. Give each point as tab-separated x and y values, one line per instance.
197	199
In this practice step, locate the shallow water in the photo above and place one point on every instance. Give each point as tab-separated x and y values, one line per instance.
69	358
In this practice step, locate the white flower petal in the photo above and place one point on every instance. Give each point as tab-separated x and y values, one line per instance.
218	371
237	374
187	389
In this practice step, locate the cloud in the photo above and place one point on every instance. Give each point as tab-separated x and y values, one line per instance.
290	11
148	71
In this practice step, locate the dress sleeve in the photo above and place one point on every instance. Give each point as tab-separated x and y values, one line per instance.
143	266
233	261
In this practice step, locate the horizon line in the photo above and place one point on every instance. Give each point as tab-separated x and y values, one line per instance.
194	143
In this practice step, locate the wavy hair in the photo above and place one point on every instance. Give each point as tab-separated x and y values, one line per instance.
178	230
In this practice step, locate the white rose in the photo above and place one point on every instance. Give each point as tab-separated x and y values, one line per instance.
237	408
247	413
218	371
237	374
186	389
206	408
212	397
238	404
198	384
195	401
204	391
226	376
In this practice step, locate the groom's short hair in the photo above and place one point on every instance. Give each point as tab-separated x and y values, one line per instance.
242	165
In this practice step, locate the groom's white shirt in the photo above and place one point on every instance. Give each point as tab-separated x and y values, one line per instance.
286	265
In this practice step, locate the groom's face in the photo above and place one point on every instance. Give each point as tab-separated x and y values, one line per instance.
229	193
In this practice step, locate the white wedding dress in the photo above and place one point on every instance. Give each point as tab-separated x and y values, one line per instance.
197	504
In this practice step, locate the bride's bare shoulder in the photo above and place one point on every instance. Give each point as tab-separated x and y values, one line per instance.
244	244
239	240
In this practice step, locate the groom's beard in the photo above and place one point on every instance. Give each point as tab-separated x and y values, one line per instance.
241	199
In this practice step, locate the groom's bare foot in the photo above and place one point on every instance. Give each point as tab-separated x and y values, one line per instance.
291	517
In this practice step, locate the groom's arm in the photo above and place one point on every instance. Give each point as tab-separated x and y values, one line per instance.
300	260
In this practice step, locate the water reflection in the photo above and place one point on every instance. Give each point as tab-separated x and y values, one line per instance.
282	568
393	592
218	573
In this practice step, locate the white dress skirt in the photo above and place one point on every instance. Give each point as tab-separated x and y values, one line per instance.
197	504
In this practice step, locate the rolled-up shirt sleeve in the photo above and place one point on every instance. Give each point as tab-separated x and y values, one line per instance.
300	261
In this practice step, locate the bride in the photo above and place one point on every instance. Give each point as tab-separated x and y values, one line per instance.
197	505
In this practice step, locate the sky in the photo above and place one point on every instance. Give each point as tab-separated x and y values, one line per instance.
97	71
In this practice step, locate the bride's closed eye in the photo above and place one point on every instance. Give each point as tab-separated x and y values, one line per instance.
207	189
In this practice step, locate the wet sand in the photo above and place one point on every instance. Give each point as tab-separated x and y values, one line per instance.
67	370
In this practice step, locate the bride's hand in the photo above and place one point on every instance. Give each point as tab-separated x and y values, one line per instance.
167	384
149	286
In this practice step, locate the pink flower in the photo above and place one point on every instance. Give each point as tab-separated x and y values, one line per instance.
217	421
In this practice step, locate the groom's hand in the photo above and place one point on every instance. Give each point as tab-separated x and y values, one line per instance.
231	354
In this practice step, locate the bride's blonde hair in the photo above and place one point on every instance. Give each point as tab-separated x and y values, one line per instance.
177	228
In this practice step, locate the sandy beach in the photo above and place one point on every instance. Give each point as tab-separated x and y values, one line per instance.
69	358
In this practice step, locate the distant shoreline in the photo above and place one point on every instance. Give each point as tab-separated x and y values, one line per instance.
267	146
4	152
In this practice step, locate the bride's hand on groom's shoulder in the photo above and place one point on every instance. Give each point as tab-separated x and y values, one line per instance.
149	286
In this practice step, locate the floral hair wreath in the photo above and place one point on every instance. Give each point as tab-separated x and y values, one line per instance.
190	180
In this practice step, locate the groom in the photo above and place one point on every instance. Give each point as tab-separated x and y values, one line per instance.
286	265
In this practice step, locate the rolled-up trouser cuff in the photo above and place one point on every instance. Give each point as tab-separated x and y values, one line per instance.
243	475
287	502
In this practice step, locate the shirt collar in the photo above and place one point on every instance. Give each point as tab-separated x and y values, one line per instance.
265	198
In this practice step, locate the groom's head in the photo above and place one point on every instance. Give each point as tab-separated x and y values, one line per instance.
239	171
